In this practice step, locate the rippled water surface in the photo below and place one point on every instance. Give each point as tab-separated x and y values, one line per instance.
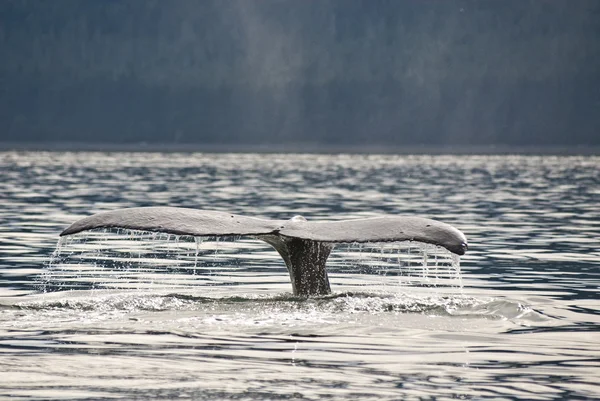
132	315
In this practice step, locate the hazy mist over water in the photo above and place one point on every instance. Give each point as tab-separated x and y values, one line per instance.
289	73
163	318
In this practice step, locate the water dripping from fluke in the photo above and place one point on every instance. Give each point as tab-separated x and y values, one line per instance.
304	245
111	259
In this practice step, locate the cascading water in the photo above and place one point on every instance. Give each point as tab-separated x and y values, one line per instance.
129	259
395	264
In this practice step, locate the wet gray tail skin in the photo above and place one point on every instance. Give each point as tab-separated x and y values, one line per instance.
305	261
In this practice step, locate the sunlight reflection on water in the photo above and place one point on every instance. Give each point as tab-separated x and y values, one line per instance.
161	322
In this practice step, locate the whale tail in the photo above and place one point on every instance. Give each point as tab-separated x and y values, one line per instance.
303	245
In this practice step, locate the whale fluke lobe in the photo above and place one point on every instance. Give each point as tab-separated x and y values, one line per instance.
380	229
175	220
303	245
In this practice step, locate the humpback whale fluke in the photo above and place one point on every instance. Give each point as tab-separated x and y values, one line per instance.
303	245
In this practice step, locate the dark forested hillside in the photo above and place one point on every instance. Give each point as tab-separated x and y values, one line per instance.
289	71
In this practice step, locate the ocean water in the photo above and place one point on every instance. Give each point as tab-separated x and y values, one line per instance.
133	315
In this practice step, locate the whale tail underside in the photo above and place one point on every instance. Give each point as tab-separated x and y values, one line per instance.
303	245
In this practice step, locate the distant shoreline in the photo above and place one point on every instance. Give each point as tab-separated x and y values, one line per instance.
309	148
